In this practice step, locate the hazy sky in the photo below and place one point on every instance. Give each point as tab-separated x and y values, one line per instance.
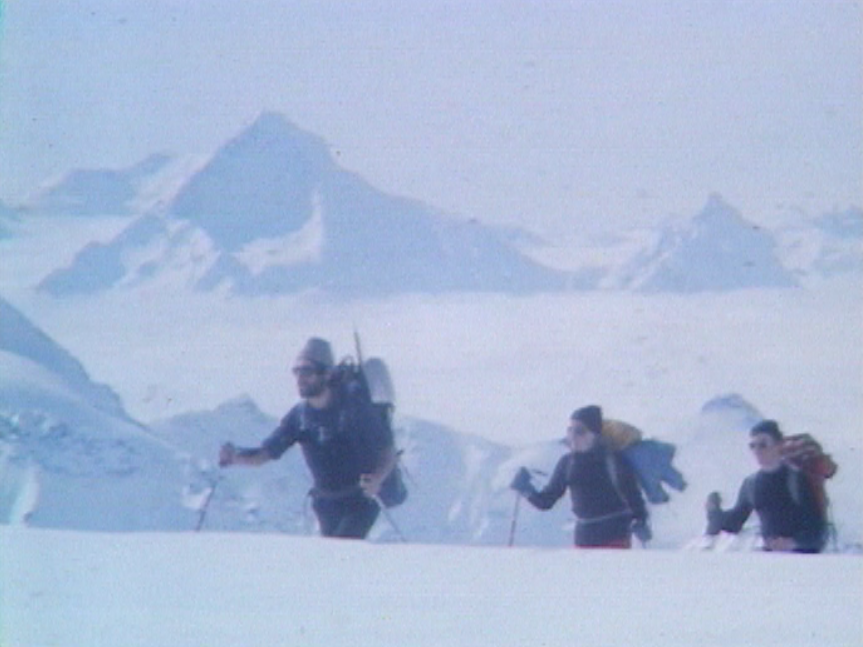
556	114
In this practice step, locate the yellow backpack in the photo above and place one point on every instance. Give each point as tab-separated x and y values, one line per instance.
619	435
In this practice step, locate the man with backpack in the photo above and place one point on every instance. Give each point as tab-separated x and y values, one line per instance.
783	496
347	447
606	500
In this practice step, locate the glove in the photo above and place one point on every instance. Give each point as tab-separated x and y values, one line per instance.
641	529
521	482
227	455
714	502
713	507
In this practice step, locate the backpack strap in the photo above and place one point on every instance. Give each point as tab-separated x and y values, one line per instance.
749	490
305	428
794	486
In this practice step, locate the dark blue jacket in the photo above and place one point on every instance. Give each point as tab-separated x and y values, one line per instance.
339	443
785	505
604	493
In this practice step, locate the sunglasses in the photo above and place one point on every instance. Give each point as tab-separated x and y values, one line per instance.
759	444
306	371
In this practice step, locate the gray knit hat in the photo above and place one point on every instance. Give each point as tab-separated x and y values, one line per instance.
318	352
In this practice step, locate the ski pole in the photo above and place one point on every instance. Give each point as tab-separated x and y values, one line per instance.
514	523
390	520
202	513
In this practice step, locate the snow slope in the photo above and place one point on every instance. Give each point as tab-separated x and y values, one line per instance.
187	589
70	456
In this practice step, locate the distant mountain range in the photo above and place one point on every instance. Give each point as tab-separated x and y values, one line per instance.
271	212
831	246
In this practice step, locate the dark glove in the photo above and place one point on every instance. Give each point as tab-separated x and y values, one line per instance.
713	506
227	455
641	529
714	502
521	482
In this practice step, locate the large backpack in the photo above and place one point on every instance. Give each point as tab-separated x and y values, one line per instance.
369	381
650	459
805	454
620	435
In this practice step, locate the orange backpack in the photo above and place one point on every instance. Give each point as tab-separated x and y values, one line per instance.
805	454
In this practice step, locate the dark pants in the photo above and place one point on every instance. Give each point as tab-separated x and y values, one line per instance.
346	517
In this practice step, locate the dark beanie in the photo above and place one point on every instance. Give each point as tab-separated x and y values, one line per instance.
590	416
769	427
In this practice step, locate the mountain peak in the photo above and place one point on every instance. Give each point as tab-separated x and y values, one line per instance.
273	124
718	249
258	185
271	133
716	203
718	211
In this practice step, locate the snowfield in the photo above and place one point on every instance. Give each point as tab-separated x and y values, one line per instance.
222	590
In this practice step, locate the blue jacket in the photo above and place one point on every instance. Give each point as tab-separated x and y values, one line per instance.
339	443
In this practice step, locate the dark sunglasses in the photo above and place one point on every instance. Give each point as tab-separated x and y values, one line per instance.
306	371
759	444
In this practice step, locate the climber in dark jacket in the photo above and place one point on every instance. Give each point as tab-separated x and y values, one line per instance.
348	451
781	495
606	500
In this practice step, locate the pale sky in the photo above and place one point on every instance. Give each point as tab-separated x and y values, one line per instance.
556	115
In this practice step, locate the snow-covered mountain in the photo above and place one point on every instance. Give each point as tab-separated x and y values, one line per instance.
70	457
93	193
714	251
270	212
8	217
828	246
21	339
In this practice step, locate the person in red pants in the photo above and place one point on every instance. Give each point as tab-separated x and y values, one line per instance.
607	502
